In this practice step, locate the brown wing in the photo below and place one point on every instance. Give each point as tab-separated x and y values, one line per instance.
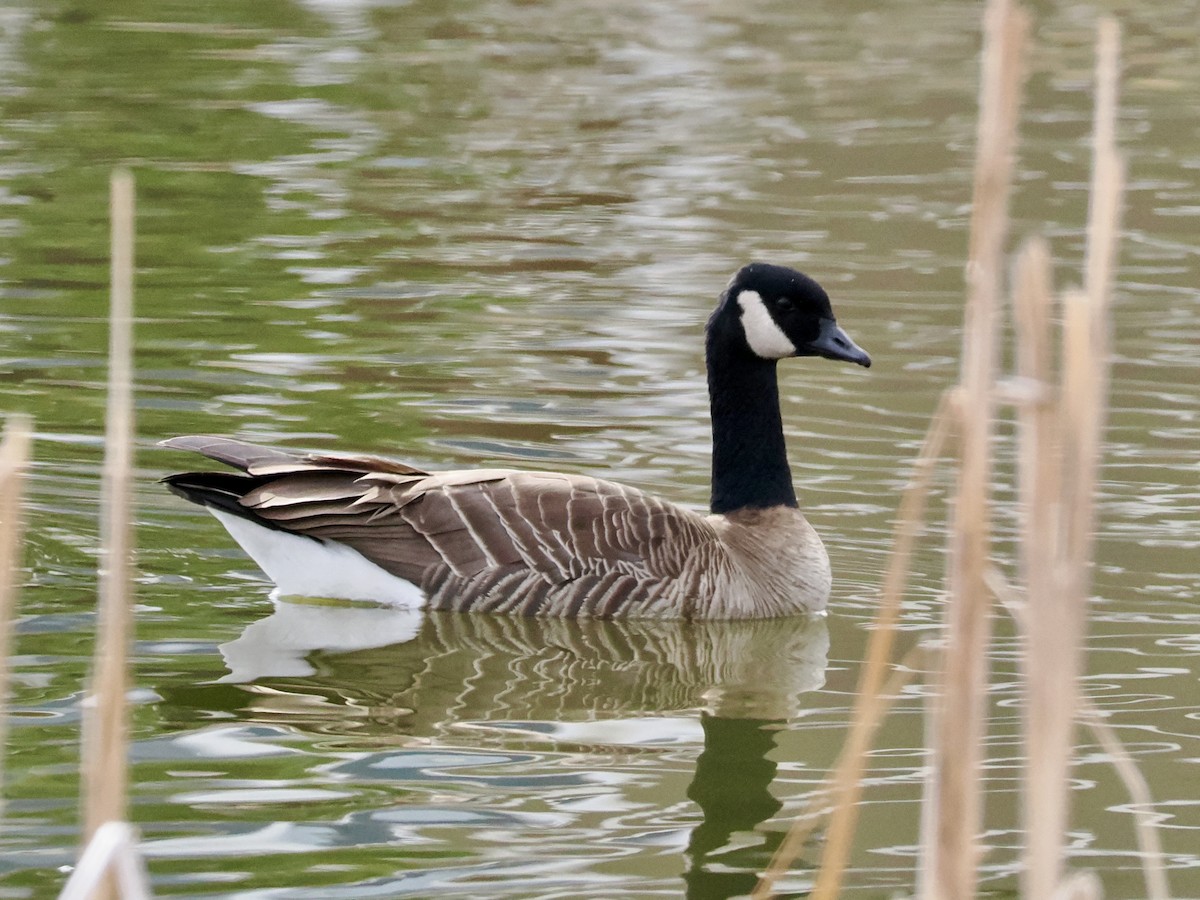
485	538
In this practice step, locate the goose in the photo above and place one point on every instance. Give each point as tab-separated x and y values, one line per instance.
369	528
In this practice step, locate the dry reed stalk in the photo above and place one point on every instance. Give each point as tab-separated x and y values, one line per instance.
952	815
1046	619
1153	869
871	700
14	458
1086	388
105	724
1107	169
1060	452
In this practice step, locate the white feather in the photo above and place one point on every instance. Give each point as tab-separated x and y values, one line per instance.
762	334
304	567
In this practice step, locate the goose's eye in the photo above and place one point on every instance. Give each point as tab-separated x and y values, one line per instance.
783	304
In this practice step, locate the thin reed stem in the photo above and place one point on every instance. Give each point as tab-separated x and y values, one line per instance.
14	459
952	817
1103	231
1061	448
1153	869
1050	662
106	726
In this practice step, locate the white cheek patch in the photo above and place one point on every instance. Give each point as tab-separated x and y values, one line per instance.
762	334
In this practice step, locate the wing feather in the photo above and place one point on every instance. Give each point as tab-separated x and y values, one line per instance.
558	528
532	542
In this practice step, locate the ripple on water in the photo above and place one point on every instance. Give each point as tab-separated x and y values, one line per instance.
462	236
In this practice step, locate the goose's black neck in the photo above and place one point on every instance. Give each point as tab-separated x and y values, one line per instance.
749	464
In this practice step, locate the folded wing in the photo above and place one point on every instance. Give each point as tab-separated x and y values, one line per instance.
487	539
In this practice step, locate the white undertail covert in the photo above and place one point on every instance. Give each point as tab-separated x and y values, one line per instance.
306	567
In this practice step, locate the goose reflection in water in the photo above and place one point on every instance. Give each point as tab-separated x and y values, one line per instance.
574	683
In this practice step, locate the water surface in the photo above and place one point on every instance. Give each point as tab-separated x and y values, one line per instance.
490	233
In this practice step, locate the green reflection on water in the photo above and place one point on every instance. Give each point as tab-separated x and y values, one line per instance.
491	233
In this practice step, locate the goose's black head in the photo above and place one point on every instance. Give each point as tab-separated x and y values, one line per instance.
776	312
